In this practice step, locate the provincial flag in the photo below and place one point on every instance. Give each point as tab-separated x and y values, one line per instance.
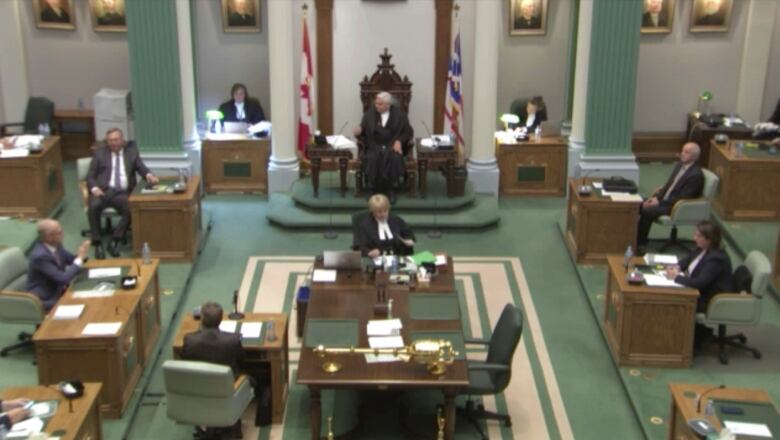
306	104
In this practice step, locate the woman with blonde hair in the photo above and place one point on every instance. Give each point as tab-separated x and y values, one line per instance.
381	232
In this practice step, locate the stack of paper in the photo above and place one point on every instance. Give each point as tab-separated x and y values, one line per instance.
251	330
69	311
660	281
385	342
104	272
625	197
384	327
665	259
25	429
228	326
324	276
101	328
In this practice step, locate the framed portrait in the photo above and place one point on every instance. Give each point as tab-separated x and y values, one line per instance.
108	15
657	16
54	14
527	17
711	15
241	15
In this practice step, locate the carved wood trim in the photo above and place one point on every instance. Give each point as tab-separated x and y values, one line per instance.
324	65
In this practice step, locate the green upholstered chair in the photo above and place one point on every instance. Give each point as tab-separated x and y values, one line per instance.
39	110
739	308
82	169
17	306
492	375
205	394
689	212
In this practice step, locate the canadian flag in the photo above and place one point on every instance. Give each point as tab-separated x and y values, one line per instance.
307	77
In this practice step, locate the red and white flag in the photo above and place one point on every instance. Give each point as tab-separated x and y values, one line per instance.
306	101
453	104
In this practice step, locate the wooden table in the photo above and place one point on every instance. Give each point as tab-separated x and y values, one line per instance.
32	186
533	168
319	153
428	158
75	144
271	353
703	134
354	298
170	223
749	183
234	162
686	396
82	423
116	361
596	226
648	326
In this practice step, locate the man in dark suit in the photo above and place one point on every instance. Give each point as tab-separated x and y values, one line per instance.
54	12
714	14
111	179
52	268
529	16
210	344
654	15
242	108
685	182
242	14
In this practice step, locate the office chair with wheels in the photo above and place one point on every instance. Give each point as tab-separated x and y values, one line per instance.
689	212
16	306
741	308
492	375
39	110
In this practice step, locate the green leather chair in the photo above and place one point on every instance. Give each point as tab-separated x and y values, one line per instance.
739	308
39	110
492	375
17	306
689	212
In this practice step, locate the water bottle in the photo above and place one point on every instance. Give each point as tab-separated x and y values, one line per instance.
41	129
146	253
709	410
218	126
627	257
390	308
46	129
538	133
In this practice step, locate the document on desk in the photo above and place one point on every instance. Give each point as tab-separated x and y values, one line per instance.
660	281
25	428
665	259
101	328
104	272
742	428
381	358
625	197
386	342
324	276
384	327
14	152
68	311
250	330
228	326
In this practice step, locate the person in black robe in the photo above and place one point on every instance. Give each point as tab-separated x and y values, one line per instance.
242	108
380	232
386	133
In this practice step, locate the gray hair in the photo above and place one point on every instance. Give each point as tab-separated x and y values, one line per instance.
695	149
45	226
385	97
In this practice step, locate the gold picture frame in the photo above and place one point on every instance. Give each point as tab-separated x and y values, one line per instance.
54	14
527	17
658	16
108	15
240	15
711	15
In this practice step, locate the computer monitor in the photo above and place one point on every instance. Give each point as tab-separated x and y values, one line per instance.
236	127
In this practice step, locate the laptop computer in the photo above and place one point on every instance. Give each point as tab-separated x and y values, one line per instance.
236	127
341	259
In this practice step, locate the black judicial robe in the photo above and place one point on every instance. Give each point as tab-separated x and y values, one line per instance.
381	165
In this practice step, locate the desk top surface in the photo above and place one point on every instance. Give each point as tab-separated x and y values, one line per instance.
443	281
686	397
615	263
193	190
752	152
545	141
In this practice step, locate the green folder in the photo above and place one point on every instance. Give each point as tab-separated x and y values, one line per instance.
331	333
434	306
423	257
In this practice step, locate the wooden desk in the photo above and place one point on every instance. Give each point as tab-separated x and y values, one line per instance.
317	154
116	361
170	223
357	303
235	163
703	134
32	186
596	226
433	157
271	353
686	396
648	326
749	183
533	168
80	424
75	144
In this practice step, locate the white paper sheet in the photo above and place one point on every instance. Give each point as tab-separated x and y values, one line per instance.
660	281
228	326
14	152
251	329
104	272
25	428
666	259
753	429
381	358
384	327
324	276
68	311
626	197
598	185
441	260
385	342
101	328
93	293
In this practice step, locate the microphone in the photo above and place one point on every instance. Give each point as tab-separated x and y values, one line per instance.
585	189
235	315
701	396
434	142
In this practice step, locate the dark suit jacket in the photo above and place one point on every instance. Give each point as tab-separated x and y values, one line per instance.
367	235
711	276
46	278
253	111
100	169
689	187
647	19
775	118
541	116
398	121
215	346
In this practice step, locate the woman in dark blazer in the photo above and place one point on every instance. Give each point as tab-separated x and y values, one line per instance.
242	108
381	232
534	114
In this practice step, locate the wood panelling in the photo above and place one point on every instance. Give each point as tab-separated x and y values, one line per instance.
324	71
33	185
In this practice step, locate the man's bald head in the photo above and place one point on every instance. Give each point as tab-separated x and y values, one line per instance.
690	153
50	231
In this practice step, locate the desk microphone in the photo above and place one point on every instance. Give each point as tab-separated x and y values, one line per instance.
701	396
236	315
434	141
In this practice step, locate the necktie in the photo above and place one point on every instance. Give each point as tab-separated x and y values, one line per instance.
674	183
117	180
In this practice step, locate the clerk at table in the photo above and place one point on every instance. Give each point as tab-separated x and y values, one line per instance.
381	231
241	108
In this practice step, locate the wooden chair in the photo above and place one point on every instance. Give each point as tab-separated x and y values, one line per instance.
387	79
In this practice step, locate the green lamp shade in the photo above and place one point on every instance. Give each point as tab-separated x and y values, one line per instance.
212	115
509	118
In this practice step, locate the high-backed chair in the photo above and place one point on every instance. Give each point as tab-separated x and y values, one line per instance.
205	394
739	308
492	375
17	306
689	212
386	79
82	169
39	110
518	107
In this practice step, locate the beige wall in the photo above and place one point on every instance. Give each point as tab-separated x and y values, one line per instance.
66	66
772	87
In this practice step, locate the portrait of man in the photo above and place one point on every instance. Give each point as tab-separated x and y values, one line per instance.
241	15
711	15
108	15
527	17
54	14
657	16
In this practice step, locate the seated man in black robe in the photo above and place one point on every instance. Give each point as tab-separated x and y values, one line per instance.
386	132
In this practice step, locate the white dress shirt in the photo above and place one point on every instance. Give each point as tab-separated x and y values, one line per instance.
384	231
530	120
385	116
695	262
240	114
122	171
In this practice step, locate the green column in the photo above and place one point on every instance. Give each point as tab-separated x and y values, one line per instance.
614	51
154	74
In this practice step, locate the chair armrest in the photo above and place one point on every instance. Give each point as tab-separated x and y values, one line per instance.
239	382
690	210
4	127
734	308
496	368
84	193
26	296
477	341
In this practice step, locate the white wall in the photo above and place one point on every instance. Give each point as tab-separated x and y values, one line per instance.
675	68
772	87
66	66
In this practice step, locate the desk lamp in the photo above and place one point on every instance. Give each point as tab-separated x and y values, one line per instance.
509	118
214	117
703	106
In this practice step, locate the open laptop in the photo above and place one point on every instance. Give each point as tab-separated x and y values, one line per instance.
236	127
341	259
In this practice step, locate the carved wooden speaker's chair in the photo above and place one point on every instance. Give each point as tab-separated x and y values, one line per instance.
387	79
